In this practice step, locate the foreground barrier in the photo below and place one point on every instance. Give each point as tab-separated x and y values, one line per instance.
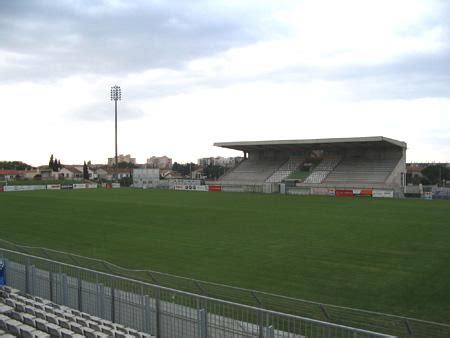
158	310
369	320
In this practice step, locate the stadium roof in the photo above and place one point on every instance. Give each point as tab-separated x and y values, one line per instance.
312	143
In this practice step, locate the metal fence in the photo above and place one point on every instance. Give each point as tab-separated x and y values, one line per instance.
368	320
160	311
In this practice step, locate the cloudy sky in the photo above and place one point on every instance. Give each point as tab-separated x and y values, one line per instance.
197	72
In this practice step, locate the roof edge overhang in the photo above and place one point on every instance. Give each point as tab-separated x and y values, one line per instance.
242	145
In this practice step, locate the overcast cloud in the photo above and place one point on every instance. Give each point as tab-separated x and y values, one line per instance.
196	72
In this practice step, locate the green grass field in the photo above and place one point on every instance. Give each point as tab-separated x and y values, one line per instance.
384	255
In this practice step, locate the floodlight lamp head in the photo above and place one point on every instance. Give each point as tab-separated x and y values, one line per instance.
116	94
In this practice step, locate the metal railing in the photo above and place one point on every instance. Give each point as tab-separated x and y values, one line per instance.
158	310
369	320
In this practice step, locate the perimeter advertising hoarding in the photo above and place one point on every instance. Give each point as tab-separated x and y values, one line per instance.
1	188
23	187
214	188
320	191
383	193
53	186
362	192
66	186
299	191
91	185
192	187
79	186
115	185
344	192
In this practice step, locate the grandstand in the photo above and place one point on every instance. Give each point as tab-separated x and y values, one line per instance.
339	163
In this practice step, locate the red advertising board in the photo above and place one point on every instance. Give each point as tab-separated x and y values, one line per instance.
366	192
1	188
344	192
214	188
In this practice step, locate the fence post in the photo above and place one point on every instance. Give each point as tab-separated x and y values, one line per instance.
27	277
202	323
50	285
6	262
65	289
158	312
100	300
80	293
33	280
146	313
261	324
113	305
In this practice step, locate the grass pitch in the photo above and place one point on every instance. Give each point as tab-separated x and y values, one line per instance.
384	255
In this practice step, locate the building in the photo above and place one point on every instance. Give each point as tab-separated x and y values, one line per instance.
121	158
162	162
7	175
145	178
226	162
68	172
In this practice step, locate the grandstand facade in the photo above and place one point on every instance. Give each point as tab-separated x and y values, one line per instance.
318	164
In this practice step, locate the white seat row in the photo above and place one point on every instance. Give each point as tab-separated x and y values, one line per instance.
286	169
28	316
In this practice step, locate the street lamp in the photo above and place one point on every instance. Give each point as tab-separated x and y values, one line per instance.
116	95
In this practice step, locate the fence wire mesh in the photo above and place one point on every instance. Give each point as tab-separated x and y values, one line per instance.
367	320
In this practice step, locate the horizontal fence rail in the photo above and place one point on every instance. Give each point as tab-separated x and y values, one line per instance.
158	310
369	320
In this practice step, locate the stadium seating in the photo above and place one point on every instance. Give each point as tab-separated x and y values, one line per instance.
252	171
286	169
362	170
22	315
322	170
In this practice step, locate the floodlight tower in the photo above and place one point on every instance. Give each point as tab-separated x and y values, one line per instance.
116	95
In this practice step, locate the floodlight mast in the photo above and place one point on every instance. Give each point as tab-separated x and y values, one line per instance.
116	95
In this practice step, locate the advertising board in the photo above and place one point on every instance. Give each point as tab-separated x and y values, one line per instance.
191	187
53	186
66	186
214	188
23	187
91	185
1	188
79	186
383	193
299	191
115	185
319	191
344	192
362	192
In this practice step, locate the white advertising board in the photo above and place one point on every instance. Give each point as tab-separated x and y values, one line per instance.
191	187
299	191
23	187
91	185
115	185
79	186
320	191
383	193
53	186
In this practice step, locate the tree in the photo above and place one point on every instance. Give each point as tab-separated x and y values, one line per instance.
213	171
14	165
436	174
85	171
184	169
51	162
